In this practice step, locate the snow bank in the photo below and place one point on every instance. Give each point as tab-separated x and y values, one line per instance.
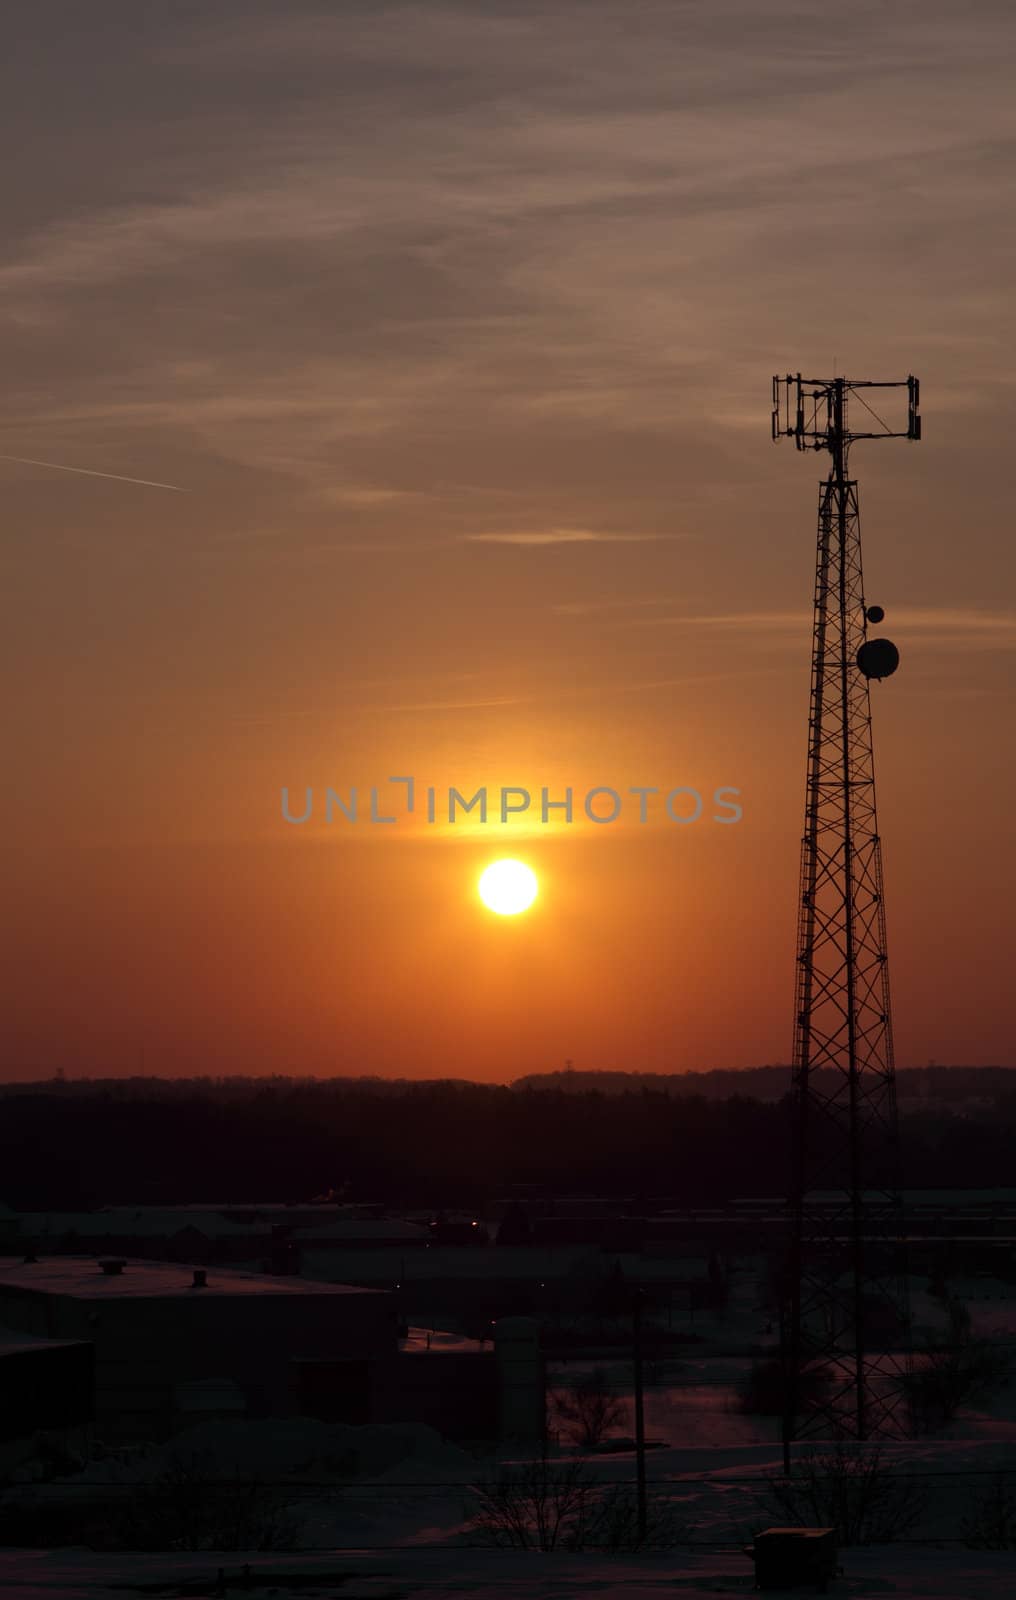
291	1449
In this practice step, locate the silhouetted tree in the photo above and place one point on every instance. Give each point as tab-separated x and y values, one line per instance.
590	1411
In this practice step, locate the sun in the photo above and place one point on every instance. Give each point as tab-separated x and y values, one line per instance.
508	887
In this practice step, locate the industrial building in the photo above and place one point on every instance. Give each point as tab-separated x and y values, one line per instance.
173	1346
46	1388
171	1341
267	1237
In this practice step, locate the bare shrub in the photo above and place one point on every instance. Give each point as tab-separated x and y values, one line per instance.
949	1376
537	1505
990	1521
764	1389
588	1412
190	1506
557	1505
851	1488
611	1523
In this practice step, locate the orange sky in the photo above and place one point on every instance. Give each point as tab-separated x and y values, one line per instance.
456	324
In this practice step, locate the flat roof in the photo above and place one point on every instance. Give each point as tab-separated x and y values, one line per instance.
15	1343
365	1229
82	1278
122	1221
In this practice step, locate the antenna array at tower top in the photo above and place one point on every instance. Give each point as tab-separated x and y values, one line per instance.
812	411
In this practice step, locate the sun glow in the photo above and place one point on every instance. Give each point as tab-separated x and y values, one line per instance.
508	887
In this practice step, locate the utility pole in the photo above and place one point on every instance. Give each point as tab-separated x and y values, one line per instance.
640	1425
846	1344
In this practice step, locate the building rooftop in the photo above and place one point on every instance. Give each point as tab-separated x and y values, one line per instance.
15	1343
213	1221
365	1229
83	1278
127	1221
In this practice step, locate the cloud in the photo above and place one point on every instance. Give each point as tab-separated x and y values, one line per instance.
591	225
741	622
452	705
589	608
543	536
92	472
964	626
365	497
329	713
463	276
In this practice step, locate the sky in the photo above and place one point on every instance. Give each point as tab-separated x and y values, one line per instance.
440	336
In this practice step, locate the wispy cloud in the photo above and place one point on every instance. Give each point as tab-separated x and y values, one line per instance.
365	497
963	625
453	705
540	536
466	277
91	472
543	224
590	608
377	709
744	621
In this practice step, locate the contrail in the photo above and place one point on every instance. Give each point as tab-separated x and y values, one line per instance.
89	472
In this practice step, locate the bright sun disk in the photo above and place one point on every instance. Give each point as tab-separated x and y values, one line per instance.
508	887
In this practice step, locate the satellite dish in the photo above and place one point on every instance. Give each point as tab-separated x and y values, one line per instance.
874	614
878	658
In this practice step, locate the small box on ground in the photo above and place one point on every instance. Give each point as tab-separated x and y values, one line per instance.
787	1557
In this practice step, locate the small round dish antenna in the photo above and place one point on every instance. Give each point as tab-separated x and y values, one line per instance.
875	614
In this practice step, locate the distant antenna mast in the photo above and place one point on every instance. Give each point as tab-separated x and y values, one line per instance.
846	1337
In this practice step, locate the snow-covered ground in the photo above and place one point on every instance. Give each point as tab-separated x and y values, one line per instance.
911	1574
337	1486
387	1510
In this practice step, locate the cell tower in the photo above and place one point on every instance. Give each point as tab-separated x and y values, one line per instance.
846	1333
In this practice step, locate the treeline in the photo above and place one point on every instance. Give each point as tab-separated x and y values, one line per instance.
977	1089
939	1085
67	1146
